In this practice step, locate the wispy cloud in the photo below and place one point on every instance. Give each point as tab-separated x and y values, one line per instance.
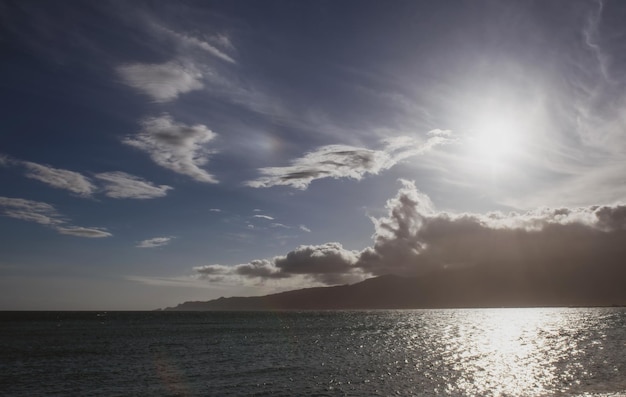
122	185
304	228
46	214
60	178
215	210
162	82
175	146
5	160
115	184
84	232
191	41
30	211
269	218
223	41
342	161
590	34
154	242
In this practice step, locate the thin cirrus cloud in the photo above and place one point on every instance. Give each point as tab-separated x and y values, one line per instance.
176	146
117	184
122	185
269	218
414	238
87	232
59	178
154	242
45	214
190	41
343	161
162	82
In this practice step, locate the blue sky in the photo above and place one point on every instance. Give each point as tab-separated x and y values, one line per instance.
156	152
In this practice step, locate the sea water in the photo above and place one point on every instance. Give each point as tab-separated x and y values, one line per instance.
469	352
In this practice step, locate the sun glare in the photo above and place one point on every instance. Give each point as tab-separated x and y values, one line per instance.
494	139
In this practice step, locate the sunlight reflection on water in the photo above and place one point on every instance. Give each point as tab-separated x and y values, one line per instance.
465	352
514	352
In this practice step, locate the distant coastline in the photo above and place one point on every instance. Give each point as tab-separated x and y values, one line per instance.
479	288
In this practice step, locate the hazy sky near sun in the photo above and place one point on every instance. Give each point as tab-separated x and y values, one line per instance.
153	152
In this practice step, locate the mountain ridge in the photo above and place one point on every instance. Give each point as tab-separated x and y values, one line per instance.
465	287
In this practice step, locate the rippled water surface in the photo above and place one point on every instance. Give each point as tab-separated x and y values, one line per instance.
484	352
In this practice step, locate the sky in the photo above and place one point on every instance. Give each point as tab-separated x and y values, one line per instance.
157	152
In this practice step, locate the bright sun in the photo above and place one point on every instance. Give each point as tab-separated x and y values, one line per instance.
494	138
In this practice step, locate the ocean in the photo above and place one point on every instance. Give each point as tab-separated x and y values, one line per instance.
465	352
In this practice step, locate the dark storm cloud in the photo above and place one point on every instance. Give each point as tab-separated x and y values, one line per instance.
415	239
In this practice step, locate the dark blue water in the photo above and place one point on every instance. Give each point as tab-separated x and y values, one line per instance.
493	352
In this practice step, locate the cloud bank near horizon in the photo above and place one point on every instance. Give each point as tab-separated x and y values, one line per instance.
414	238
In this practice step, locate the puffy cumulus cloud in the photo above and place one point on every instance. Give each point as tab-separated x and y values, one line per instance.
162	82
59	178
175	146
342	161
414	238
328	263
259	268
154	242
45	214
122	185
395	244
89	232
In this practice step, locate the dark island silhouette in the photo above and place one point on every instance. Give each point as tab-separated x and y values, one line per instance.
460	287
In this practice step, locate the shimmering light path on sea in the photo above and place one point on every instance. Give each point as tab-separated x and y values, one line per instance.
468	352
